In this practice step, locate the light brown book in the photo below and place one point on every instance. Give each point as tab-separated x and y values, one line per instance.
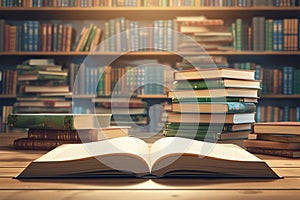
214	73
129	156
277	128
275	137
275	152
211	118
272	144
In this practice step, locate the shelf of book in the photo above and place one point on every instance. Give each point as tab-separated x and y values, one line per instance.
150	9
153	53
246	16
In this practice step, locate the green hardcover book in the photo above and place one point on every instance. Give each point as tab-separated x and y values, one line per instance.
212	107
59	121
239	33
90	38
82	47
210	127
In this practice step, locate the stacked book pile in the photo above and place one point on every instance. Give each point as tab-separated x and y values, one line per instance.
125	112
42	87
47	131
211	34
275	138
213	104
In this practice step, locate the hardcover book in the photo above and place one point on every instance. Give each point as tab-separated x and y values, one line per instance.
167	157
66	121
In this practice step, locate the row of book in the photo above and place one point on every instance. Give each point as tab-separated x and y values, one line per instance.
266	34
35	36
141	77
249	3
123	35
146	3
8	82
277	113
281	80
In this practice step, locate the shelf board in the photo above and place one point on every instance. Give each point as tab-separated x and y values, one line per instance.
152	53
280	96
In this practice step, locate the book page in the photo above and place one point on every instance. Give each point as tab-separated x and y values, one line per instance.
129	146
171	146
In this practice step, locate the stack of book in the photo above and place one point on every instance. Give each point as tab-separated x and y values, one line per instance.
211	34
125	112
42	87
275	138
213	104
47	131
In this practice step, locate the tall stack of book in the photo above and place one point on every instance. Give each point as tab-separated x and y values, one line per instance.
211	34
47	131
213	104
275	138
42	87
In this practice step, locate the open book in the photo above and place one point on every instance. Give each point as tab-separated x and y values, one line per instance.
167	157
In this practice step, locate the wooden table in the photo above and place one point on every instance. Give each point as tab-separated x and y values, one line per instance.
12	162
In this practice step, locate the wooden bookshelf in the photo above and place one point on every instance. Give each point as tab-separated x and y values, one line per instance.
229	14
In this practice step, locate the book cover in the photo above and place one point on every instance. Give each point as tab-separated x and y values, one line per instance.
59	121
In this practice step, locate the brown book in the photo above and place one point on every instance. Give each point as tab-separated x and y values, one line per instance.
277	128
275	152
30	144
272	145
67	135
279	138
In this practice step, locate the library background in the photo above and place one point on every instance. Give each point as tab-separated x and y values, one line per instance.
86	56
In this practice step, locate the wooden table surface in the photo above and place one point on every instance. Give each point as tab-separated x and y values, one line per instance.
12	162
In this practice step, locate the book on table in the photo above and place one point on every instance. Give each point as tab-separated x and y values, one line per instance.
61	121
277	128
132	157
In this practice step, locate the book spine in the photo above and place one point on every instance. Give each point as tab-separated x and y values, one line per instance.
234	107
28	144
46	122
66	135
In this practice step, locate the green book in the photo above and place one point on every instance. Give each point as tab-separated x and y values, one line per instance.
90	30
210	127
59	121
90	38
213	107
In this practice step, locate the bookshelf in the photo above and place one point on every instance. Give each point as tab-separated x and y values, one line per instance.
105	13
